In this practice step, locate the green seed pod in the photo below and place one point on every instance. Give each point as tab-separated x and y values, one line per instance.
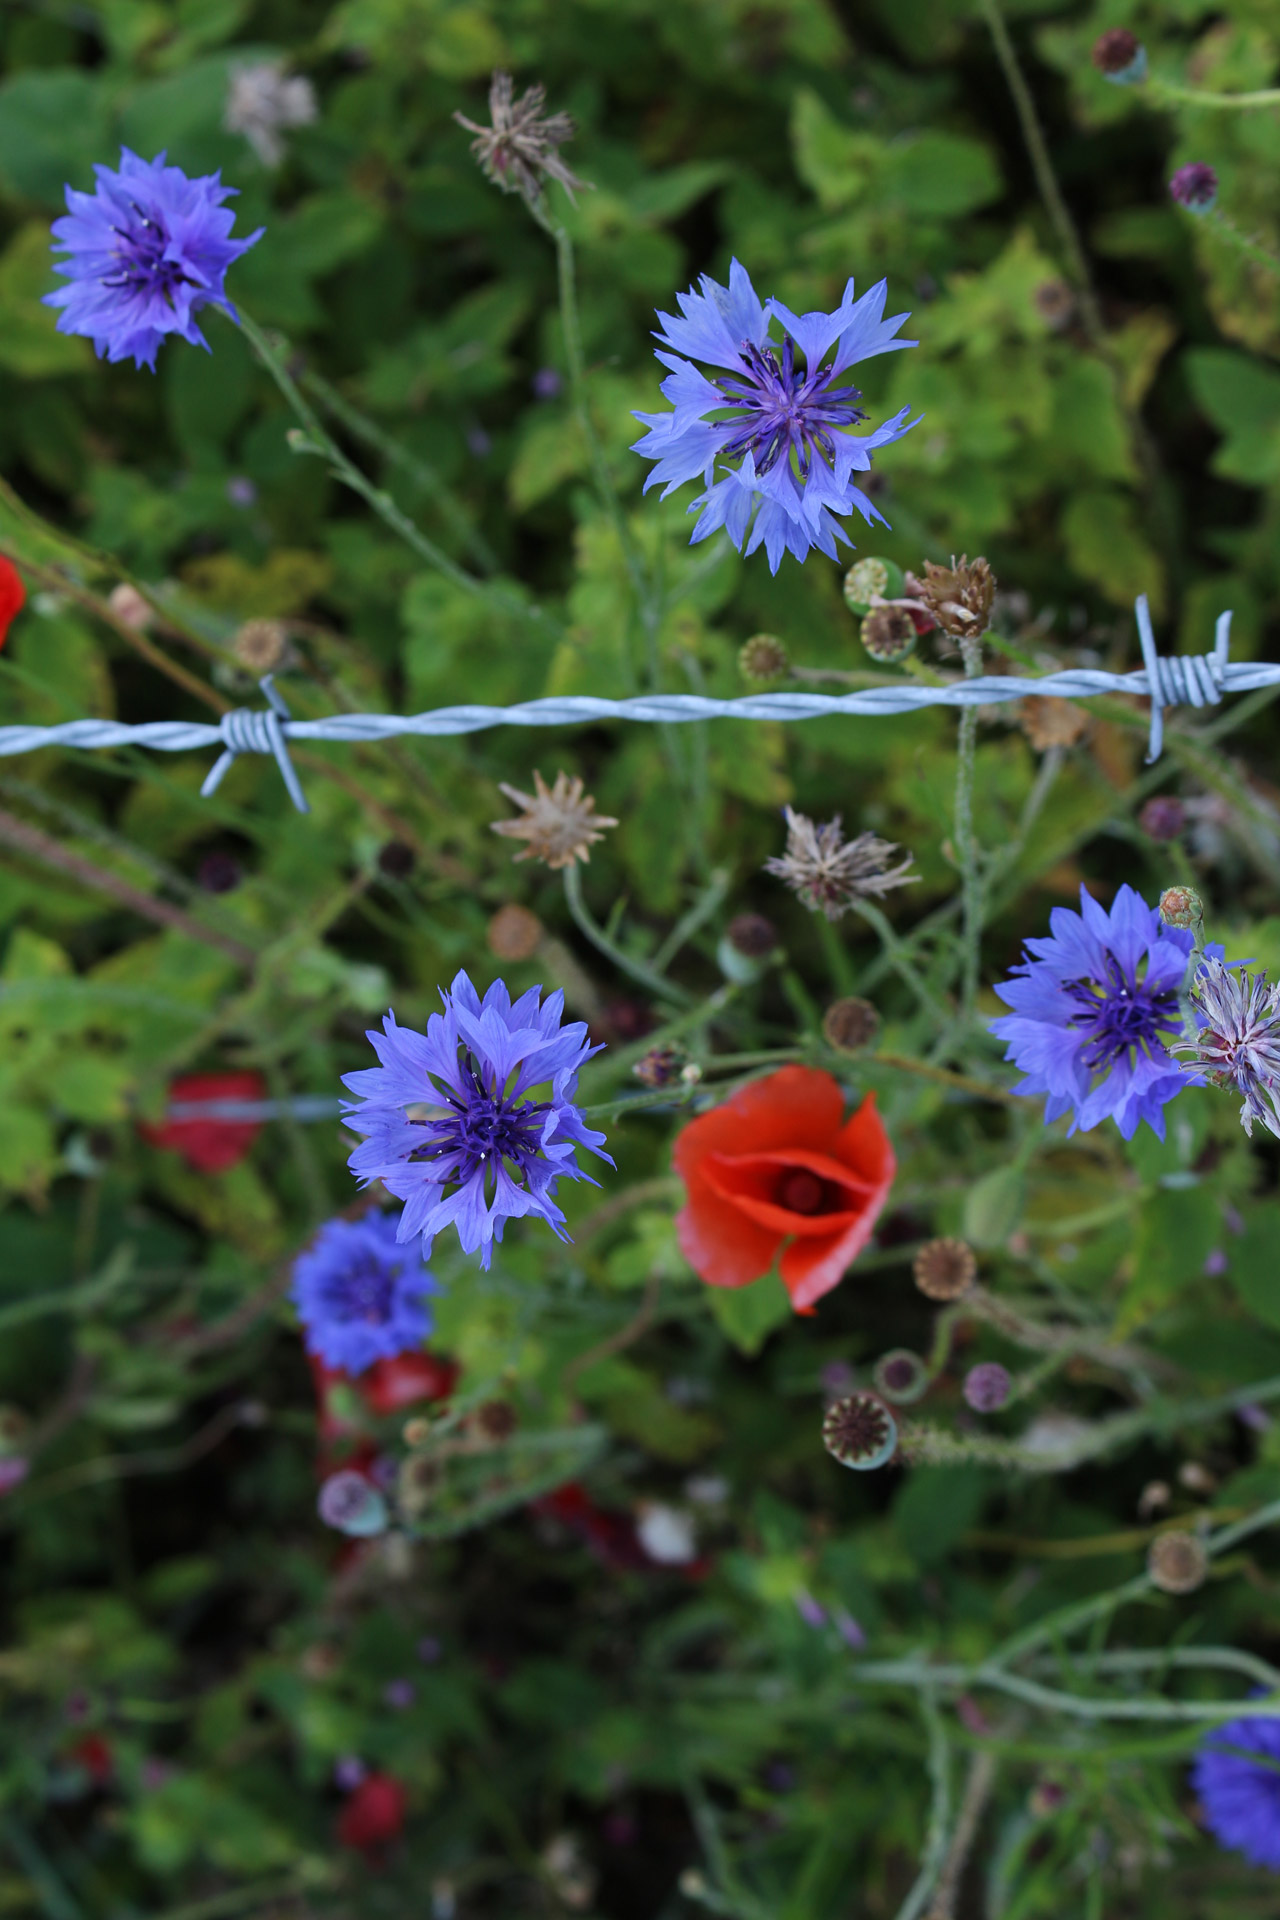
888	634
872	579
901	1376
763	658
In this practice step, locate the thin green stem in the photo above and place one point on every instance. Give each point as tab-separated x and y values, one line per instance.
643	974
898	956
935	1845
316	439
419	471
1244	243
966	840
1198	97
699	913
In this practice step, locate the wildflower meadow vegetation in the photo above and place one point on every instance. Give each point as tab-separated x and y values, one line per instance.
639	959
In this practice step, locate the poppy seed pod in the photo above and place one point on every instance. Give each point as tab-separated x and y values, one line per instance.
860	1432
944	1269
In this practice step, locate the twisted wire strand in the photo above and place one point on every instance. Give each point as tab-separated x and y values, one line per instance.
1192	679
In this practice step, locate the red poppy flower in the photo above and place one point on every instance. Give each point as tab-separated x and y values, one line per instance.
210	1146
405	1380
374	1814
12	597
779	1167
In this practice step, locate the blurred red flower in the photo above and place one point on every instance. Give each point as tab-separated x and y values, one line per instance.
374	1814
12	597
778	1167
210	1146
94	1754
406	1379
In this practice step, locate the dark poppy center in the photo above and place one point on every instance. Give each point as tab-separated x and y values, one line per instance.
800	1191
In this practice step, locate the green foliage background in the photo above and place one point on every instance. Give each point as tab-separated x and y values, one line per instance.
166	1581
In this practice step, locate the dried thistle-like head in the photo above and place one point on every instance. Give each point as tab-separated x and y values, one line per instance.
945	1269
959	596
519	149
829	872
850	1024
261	645
1177	1562
560	822
1050	722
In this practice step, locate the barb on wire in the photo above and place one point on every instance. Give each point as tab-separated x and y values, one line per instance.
1196	679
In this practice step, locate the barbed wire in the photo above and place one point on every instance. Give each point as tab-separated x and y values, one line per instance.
1196	679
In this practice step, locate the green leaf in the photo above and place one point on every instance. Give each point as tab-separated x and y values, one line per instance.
941	174
1242	398
1100	532
53	127
1177	1229
994	1206
837	162
935	1507
1255	1264
748	1315
30	344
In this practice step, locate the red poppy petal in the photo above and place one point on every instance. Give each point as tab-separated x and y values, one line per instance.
721	1245
810	1268
12	597
863	1145
795	1107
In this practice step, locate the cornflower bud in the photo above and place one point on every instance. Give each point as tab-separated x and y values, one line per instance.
1181	907
1195	187
1120	57
986	1387
850	1024
1163	817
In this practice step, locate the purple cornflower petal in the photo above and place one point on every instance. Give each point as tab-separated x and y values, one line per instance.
778	470
498	1150
1239	1039
811	1611
147	250
1240	1796
1256	1418
1093	1007
986	1386
360	1295
850	1632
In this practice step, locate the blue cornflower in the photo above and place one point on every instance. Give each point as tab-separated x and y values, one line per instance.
1241	1797
360	1295
781	412
1093	1007
451	1108
146	250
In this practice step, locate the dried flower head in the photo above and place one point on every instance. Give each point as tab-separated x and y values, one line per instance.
860	1432
1195	187
751	935
128	605
901	1376
260	645
959	596
1050	722
1177	1562
945	1269
263	98
986	1386
660	1067
496	1420
888	633
514	933
1120	56
829	872
762	657
1239	1039
560	822
518	149
850	1024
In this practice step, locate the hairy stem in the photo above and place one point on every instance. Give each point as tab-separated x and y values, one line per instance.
626	963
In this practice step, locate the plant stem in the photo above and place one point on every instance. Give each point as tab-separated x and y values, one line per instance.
273	353
699	913
1243	242
935	1846
966	844
978	1784
1198	97
898	957
637	969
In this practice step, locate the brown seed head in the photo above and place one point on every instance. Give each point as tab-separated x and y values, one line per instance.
959	596
859	1429
1115	50
518	150
751	935
945	1269
496	1420
560	822
850	1024
1050	722
829	872
514	933
1177	1562
763	658
888	633
261	645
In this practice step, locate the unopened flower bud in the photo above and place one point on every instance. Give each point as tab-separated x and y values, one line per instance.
850	1024
660	1067
763	658
901	1376
1163	817
860	1432
1195	187
751	935
496	1420
1177	1562
128	605
888	633
396	859
986	1387
1120	57
1181	907
514	933
944	1269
